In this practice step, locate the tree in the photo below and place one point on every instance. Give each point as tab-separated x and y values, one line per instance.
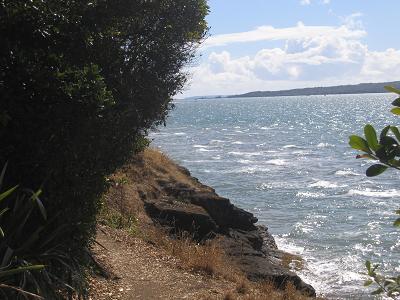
81	82
386	151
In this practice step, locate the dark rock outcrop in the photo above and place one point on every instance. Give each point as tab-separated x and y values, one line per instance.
205	214
183	217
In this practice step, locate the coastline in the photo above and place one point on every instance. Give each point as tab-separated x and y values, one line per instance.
161	193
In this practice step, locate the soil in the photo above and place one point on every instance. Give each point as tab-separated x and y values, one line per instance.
140	271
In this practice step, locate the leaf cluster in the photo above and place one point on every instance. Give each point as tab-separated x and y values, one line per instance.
386	150
388	285
32	262
81	83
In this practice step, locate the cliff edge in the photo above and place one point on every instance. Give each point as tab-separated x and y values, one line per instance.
160	192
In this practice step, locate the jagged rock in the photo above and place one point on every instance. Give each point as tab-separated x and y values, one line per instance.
260	263
269	241
262	269
224	213
182	217
202	212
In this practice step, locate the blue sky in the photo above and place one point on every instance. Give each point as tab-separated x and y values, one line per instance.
272	45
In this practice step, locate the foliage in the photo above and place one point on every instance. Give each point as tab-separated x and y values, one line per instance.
386	150
33	262
81	82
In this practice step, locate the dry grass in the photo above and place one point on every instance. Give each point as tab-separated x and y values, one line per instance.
265	291
207	258
159	163
124	210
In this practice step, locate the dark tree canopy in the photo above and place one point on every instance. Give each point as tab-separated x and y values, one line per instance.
80	83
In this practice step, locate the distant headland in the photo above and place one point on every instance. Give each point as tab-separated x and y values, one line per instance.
362	88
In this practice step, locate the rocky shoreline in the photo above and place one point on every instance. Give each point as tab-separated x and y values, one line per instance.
198	209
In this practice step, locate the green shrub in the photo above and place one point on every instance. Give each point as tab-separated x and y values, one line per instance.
33	261
386	151
81	82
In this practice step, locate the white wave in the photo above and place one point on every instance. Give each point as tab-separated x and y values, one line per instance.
291	147
236	153
346	172
244	161
324	184
304	227
276	162
246	170
310	195
373	193
265	186
179	133
324	145
238	143
246	154
199	146
284	245
205	150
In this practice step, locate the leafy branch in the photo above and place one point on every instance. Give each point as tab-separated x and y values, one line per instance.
386	151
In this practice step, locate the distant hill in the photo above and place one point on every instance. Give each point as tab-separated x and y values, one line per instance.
362	88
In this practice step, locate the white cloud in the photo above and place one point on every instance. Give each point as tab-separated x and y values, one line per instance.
310	56
269	33
308	2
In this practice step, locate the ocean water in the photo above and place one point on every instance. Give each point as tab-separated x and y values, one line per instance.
287	160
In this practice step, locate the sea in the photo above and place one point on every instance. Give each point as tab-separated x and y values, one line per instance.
287	160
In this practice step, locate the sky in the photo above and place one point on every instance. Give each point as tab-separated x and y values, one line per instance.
260	45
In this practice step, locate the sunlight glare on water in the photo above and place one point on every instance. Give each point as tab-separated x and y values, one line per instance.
287	160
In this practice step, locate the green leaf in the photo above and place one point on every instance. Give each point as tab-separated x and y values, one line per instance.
3	211
395	131
368	282
359	143
7	193
368	265
388	141
21	270
2	232
371	137
396	111
365	156
388	281
392	89
384	132
396	102
376	170
35	196
377	292
397	223
3	171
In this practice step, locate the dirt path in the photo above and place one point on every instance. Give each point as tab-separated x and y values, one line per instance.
142	272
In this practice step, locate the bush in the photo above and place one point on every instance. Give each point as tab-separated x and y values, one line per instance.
33	261
81	82
386	151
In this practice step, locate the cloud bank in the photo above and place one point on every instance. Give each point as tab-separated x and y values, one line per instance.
310	56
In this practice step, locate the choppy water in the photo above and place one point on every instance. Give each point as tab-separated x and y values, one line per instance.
287	160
